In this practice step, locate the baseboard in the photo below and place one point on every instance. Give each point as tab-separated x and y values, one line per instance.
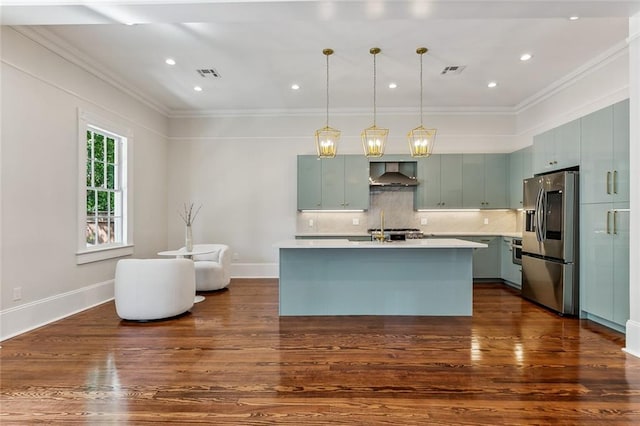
633	338
609	324
29	316
255	270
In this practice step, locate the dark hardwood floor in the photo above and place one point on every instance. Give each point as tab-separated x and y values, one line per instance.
233	361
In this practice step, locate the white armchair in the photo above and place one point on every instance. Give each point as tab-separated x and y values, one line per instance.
150	289
213	270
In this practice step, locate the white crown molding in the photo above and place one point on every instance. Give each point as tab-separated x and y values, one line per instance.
340	112
55	44
570	79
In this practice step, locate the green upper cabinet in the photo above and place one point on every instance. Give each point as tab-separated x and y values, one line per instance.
520	168
440	182
484	181
309	182
604	171
558	148
515	179
340	183
356	182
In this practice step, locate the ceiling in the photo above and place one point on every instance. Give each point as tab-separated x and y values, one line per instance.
261	47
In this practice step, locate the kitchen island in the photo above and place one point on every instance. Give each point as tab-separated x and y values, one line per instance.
342	277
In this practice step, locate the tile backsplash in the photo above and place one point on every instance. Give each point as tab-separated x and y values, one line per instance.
398	213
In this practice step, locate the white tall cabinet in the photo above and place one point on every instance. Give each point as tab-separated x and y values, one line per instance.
604	215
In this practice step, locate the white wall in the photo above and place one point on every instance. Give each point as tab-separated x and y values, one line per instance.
41	94
243	171
604	83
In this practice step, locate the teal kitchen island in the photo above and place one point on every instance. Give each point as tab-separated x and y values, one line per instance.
341	277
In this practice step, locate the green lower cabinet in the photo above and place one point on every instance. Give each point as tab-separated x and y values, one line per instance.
486	261
604	262
509	271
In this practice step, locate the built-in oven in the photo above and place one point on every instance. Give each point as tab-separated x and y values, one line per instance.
516	251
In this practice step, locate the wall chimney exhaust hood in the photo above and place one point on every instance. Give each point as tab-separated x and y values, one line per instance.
392	176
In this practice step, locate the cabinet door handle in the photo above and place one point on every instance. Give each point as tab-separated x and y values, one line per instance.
442	204
608	182
615	181
615	222
608	219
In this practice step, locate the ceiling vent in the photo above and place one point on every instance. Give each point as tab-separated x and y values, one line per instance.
209	73
453	69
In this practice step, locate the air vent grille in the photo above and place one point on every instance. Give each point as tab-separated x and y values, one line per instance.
209	73
453	69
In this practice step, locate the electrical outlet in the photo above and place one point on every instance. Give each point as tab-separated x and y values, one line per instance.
486	220
310	223
235	257
423	221
17	293
355	221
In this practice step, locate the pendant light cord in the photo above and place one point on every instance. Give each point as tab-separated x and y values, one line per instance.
374	90
327	124
421	89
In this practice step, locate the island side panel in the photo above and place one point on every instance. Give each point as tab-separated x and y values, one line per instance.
389	281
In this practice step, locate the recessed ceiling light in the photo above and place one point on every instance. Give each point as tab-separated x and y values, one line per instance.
574	18
492	84
197	88
170	61
392	85
526	56
295	86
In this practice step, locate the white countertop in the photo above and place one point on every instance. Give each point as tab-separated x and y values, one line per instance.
427	234
408	244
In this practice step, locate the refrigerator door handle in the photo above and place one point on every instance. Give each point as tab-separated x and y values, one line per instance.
539	215
535	215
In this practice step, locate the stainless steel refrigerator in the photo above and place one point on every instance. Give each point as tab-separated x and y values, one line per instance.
550	241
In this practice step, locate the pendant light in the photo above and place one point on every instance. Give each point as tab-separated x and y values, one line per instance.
374	138
421	140
327	138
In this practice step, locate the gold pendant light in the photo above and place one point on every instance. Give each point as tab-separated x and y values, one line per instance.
327	138
374	138
421	140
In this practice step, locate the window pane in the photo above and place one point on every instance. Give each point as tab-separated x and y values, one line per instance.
103	231
91	202
89	173
111	171
111	150
89	146
91	232
98	168
112	204
103	202
112	230
98	147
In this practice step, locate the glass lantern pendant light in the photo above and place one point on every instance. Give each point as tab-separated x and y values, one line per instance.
421	140
327	138
374	138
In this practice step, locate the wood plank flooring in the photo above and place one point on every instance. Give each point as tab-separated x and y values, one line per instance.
233	361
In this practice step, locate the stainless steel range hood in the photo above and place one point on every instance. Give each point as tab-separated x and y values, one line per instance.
393	177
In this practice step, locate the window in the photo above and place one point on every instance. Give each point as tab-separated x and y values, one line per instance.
103	196
104	188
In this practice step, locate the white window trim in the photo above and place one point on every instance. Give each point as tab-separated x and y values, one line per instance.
86	254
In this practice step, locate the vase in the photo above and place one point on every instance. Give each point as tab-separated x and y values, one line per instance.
188	238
